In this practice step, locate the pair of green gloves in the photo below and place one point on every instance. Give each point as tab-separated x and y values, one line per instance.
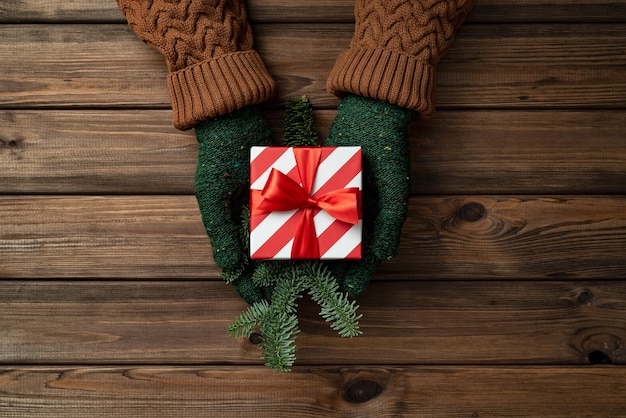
223	179
217	81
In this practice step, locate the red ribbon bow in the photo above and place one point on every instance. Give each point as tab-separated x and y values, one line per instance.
281	193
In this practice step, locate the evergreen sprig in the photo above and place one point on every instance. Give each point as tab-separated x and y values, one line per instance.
269	272
299	124
279	341
277	320
287	291
336	306
247	321
230	275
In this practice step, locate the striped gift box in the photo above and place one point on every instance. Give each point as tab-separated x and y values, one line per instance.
305	203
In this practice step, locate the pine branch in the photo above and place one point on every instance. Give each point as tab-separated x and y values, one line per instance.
246	322
277	320
230	275
280	329
299	124
336	307
279	341
269	272
263	275
244	227
287	292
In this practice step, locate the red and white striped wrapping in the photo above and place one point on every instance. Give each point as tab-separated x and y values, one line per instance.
272	233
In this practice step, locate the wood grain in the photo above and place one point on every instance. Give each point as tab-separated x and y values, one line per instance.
365	391
528	152
513	66
513	237
326	11
95	151
447	237
116	236
432	322
459	152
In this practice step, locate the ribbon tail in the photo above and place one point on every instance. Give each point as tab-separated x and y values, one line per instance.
305	243
342	205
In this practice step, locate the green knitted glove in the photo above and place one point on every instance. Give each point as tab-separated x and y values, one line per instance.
222	187
382	130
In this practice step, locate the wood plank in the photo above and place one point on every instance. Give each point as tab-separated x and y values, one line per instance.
445	237
63	11
312	392
527	152
521	66
459	152
430	322
95	151
501	237
141	236
534	66
554	11
13	11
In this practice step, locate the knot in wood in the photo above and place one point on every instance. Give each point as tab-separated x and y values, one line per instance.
603	346
599	357
255	338
585	296
15	146
362	391
471	212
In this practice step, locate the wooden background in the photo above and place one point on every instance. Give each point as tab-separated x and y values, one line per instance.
508	297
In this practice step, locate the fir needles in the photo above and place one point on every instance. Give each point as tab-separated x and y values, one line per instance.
277	320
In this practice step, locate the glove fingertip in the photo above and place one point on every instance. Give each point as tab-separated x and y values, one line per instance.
386	233
227	254
386	251
355	275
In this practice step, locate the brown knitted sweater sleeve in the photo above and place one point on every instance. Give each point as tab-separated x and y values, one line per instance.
208	47
395	48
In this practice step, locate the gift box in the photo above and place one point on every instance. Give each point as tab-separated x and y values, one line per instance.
305	203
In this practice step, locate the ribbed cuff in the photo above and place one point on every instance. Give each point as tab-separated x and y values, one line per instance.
385	75
217	87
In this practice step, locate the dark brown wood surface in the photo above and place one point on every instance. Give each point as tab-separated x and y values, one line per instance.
229	391
508	295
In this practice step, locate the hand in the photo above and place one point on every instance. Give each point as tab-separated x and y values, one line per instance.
223	178
382	130
386	77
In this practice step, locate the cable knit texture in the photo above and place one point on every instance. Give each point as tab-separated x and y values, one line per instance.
395	48
208	46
